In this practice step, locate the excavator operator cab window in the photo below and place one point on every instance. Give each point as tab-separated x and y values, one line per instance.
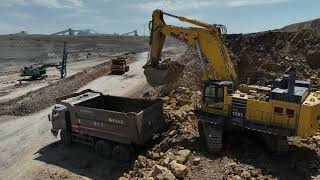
213	94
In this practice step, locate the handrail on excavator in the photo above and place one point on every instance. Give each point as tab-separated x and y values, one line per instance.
223	29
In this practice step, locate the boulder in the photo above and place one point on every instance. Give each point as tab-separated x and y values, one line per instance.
196	160
142	161
153	155
254	172
179	170
245	175
161	173
316	138
169	156
172	132
186	108
183	156
236	177
166	98
123	178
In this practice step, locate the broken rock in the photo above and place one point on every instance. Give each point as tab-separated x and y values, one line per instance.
196	160
236	177
169	156
183	156
123	178
179	170
161	173
245	175
153	155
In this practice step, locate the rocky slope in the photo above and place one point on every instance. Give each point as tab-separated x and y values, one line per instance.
307	25
266	55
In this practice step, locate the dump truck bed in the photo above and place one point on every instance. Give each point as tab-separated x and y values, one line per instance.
118	119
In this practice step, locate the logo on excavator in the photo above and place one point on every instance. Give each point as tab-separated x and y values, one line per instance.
180	36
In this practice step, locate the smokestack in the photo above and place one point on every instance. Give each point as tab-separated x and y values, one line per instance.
292	80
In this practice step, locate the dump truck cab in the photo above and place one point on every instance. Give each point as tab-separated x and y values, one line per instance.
58	118
119	65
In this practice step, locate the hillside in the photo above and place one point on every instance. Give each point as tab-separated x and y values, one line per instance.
307	25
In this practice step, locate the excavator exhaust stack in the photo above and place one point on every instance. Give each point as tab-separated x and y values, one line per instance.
164	73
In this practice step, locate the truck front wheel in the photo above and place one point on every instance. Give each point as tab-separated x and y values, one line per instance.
122	153
65	137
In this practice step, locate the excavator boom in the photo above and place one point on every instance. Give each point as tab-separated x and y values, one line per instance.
206	39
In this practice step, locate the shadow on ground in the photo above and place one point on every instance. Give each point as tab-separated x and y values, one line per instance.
82	160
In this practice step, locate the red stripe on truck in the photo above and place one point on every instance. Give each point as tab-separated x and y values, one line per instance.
92	128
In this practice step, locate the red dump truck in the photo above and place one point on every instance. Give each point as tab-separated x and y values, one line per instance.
114	125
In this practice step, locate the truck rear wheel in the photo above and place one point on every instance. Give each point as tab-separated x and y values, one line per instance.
122	153
65	137
103	148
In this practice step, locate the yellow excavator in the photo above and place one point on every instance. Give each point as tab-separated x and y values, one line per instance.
287	108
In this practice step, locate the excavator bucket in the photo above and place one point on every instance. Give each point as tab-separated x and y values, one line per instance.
164	73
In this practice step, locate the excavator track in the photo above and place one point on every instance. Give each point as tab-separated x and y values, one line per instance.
211	136
277	144
282	146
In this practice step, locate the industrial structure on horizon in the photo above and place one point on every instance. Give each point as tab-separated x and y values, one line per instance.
86	32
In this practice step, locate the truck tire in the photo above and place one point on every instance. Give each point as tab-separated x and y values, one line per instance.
122	153
65	137
103	148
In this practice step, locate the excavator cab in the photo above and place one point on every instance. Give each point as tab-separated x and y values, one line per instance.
214	96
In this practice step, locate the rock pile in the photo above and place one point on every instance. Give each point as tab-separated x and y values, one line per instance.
161	166
239	171
267	54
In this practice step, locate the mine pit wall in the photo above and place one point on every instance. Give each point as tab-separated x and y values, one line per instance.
266	55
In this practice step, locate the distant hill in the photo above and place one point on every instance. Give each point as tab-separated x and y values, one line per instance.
307	25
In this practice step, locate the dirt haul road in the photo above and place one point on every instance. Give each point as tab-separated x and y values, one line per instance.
29	151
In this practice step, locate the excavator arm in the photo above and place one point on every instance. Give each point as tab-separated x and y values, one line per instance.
215	61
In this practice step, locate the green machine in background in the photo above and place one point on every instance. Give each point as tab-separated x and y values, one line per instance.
40	72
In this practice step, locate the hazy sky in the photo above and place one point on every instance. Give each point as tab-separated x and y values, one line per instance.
120	16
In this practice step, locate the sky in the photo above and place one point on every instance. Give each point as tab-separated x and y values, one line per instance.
121	16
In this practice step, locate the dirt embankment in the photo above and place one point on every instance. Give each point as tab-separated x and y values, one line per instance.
266	55
19	51
44	97
307	25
